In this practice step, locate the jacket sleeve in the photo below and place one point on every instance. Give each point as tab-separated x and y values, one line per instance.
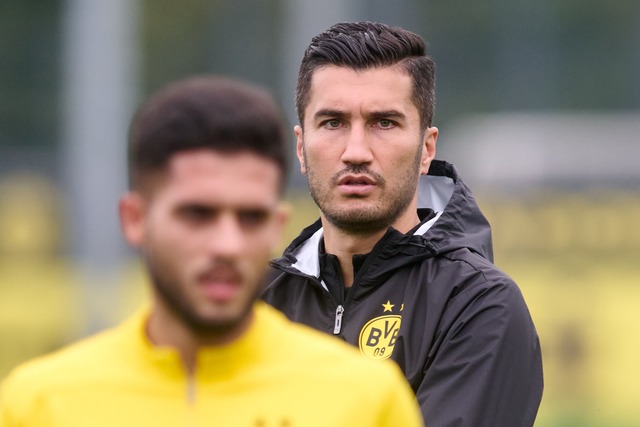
485	368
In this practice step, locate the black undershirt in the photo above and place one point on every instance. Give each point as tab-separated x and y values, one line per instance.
332	273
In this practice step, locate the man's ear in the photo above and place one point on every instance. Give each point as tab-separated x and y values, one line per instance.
429	149
300	147
131	210
283	214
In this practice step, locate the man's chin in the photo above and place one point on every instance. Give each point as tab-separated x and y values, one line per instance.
358	222
216	326
208	327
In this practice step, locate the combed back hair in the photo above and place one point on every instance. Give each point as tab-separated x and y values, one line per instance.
365	45
205	112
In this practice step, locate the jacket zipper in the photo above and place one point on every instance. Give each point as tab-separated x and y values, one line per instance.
191	389
337	326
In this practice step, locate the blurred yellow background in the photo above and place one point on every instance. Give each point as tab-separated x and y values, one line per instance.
574	255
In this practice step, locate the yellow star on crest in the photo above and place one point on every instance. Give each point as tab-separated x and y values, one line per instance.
402	307
388	306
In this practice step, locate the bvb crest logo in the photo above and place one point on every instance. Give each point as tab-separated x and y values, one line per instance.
379	335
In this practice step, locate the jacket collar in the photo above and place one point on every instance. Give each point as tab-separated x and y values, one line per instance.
457	223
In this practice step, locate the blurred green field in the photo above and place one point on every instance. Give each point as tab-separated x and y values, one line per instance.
576	258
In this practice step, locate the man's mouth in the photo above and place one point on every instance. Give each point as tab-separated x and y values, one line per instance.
356	185
356	180
220	285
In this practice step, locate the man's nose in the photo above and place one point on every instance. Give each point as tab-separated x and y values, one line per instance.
357	149
225	238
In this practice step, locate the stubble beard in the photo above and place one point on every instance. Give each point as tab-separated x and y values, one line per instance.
368	220
204	328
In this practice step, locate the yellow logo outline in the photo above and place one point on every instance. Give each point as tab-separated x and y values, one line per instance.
378	336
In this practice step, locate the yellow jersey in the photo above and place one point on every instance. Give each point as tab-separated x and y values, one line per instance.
278	374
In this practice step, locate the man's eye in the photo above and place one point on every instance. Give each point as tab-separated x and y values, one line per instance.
196	213
386	124
332	124
253	218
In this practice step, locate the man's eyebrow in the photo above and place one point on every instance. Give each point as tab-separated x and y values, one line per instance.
329	112
387	114
188	205
382	114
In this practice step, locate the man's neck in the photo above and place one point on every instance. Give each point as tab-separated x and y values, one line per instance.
165	333
164	329
345	245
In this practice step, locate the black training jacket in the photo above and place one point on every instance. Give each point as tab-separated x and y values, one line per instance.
433	301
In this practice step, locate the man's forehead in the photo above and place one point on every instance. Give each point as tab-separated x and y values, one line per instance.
376	90
201	173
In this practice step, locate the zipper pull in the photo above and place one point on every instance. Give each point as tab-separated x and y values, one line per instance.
338	324
191	390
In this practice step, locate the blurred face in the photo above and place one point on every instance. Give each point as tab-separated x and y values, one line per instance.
206	231
362	148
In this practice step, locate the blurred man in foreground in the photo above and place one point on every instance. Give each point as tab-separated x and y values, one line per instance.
207	171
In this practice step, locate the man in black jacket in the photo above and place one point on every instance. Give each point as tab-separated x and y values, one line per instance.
400	261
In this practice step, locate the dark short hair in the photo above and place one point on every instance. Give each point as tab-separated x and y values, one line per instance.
363	45
210	112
